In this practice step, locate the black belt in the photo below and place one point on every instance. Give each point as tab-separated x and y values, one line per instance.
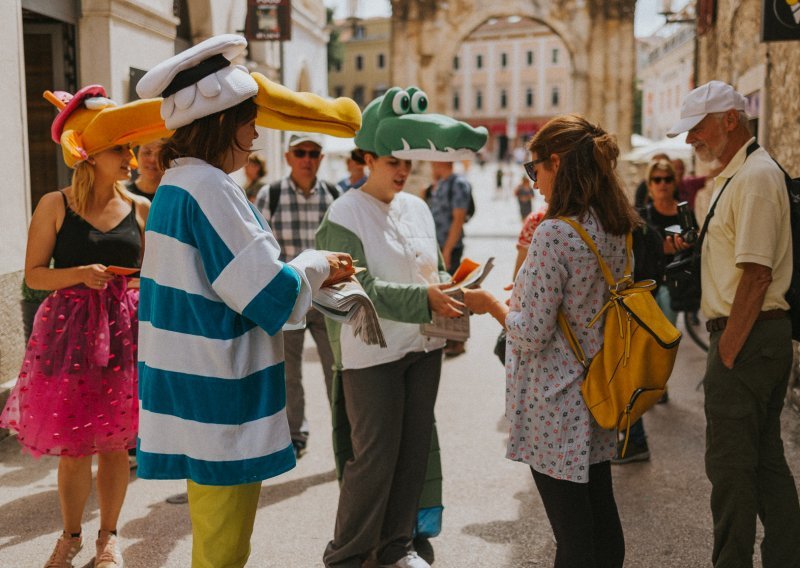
718	324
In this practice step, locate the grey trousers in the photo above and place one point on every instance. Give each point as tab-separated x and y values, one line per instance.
390	408
293	353
744	451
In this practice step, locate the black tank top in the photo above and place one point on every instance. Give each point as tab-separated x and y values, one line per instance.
134	189
78	243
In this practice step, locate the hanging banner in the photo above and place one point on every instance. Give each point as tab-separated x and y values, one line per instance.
268	20
780	20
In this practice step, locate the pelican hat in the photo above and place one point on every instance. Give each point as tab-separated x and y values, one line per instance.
89	122
297	139
200	81
714	96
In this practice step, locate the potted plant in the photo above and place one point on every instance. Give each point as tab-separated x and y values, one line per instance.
30	303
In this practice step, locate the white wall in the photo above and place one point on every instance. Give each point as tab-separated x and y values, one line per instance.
14	191
115	35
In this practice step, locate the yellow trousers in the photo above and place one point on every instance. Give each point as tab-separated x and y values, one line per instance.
222	523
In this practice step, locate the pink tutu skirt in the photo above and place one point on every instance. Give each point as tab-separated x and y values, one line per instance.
76	394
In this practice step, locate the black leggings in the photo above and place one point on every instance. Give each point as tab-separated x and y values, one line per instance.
584	518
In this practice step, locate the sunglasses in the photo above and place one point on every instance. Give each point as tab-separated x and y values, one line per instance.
659	179
300	153
530	168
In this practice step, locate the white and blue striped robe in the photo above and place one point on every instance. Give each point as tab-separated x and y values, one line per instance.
214	297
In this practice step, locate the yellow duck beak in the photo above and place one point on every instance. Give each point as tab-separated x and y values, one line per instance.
88	132
281	108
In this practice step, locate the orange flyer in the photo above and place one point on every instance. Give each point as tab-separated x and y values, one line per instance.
464	269
122	270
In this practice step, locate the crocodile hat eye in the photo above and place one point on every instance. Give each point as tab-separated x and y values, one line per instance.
419	102
401	103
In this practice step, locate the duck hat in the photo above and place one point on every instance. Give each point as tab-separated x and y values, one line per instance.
398	124
714	96
202	81
89	122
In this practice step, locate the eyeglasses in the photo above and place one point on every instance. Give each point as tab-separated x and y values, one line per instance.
659	179
530	168
300	153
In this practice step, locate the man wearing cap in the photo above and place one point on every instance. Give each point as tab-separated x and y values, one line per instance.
294	208
746	269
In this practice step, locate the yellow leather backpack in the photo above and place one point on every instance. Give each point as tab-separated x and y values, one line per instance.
630	372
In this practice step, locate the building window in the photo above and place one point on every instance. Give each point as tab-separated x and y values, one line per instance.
359	62
338	92
358	95
359	32
377	92
529	58
554	56
503	60
478	99
554	97
455	63
381	61
479	61
529	97
503	99
456	101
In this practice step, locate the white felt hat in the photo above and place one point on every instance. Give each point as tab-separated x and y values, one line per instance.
199	81
714	96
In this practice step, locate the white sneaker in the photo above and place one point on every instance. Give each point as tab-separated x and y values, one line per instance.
410	560
108	554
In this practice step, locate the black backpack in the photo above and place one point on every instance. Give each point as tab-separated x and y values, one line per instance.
793	293
275	194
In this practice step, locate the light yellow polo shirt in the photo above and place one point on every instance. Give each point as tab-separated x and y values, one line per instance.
750	224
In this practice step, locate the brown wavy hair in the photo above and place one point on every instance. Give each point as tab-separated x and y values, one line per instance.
586	180
209	138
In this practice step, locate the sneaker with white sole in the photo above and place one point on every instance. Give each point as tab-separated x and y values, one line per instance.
410	560
67	547
107	548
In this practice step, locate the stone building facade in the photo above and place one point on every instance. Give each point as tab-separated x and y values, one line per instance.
768	74
666	75
363	72
598	36
510	75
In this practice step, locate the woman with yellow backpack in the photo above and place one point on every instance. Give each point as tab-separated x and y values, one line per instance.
552	429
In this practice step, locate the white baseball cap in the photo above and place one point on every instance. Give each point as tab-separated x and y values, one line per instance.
298	138
714	96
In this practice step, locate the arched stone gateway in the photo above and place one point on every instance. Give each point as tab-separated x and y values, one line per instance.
426	34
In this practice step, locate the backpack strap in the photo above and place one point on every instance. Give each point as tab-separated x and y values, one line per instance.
612	284
275	194
274	197
333	191
563	323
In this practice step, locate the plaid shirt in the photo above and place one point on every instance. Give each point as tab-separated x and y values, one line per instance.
297	217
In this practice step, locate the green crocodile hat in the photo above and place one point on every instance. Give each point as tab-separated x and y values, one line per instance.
396	124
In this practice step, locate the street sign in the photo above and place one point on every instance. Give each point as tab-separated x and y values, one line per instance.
780	20
268	20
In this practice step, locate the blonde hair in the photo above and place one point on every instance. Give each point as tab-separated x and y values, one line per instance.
661	165
82	184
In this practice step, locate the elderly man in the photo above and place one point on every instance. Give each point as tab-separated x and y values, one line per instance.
746	269
294	207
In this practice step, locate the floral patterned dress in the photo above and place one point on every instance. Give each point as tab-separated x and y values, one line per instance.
552	430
